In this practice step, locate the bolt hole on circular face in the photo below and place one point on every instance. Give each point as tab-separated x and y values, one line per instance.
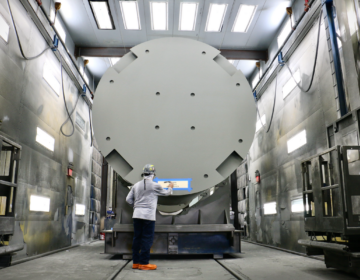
206	176
192	94
147	51
240	140
111	81
157	127
158	93
193	128
238	84
108	139
203	52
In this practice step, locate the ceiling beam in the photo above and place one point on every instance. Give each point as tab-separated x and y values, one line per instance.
119	52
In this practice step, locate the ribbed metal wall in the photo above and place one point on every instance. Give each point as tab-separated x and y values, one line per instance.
28	102
314	111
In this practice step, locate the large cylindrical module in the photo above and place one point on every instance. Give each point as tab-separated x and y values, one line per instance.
178	104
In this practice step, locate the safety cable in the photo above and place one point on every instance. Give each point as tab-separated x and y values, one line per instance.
66	107
18	39
315	61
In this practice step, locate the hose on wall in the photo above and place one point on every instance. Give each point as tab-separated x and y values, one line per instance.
18	39
292	75
315	62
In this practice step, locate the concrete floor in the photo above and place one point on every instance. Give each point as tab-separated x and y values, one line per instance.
256	263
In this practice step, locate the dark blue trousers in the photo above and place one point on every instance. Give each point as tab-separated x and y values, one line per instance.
143	240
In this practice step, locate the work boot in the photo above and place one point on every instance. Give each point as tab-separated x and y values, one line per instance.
147	266
135	266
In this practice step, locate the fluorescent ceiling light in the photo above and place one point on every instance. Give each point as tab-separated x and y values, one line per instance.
79	209
291	84
45	139
270	208
297	141
113	60
188	13
60	29
297	205
102	14
130	14
243	18
50	78
39	203
260	123
284	33
4	29
215	19
159	15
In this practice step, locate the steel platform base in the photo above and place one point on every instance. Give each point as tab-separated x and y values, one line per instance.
336	255
178	239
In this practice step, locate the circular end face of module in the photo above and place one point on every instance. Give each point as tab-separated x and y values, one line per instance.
180	105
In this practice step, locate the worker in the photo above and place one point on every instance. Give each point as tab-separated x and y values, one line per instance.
143	196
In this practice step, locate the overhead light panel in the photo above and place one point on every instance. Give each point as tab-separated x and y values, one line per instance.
45	139
270	208
130	14
114	60
297	205
102	14
159	15
39	203
79	209
243	18
188	13
297	141
215	19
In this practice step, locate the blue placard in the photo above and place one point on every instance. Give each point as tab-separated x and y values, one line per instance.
187	187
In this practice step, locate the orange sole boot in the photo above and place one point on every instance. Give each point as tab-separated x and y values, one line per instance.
135	266
147	266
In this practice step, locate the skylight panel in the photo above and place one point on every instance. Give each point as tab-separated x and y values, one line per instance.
215	19
188	13
102	14
114	60
284	34
130	14
243	18
159	15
